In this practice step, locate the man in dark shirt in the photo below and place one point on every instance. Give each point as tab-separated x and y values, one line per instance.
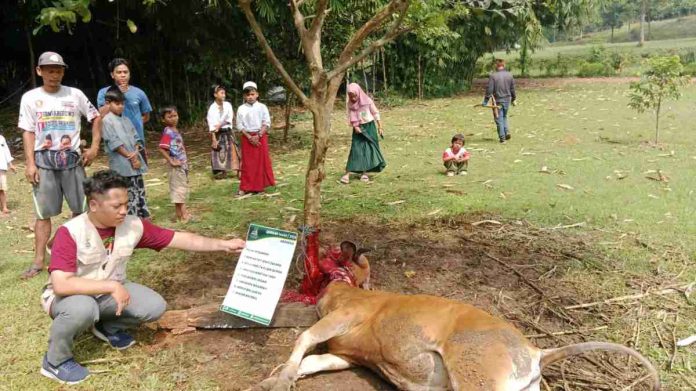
501	86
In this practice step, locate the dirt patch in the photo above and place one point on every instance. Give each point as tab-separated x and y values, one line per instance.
511	269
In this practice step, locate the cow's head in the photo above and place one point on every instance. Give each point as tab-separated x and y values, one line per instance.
354	258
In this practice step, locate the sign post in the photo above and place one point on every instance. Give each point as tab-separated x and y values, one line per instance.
260	274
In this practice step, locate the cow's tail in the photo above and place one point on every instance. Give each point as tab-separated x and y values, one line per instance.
549	356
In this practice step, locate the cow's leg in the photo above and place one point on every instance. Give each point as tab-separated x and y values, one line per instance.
322	362
333	324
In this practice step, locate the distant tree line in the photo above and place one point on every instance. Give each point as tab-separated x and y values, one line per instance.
179	48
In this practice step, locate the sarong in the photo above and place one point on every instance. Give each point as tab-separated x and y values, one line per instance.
257	171
226	156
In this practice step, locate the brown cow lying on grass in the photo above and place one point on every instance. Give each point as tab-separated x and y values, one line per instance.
421	342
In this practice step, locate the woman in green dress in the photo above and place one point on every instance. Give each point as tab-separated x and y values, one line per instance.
365	155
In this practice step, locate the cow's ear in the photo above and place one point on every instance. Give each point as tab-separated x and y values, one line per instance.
360	259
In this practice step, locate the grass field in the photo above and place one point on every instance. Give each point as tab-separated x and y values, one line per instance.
660	30
566	58
577	165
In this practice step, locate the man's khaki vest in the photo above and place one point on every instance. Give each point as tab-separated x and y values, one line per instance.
94	262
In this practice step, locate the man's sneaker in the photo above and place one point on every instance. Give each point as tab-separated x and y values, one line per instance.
118	341
502	141
69	372
508	137
463	173
450	173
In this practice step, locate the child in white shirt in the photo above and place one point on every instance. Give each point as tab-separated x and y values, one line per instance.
5	164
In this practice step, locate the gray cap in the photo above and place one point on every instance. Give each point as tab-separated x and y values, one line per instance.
51	58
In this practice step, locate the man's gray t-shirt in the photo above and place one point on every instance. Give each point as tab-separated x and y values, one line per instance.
502	86
118	131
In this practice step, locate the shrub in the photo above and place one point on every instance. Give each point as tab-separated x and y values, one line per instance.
598	54
690	69
589	69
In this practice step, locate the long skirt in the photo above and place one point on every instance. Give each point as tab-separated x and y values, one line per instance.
226	156
257	172
365	155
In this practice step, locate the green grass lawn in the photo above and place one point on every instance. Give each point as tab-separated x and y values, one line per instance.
577	156
677	28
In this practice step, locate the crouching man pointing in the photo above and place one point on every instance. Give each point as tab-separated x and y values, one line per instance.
87	284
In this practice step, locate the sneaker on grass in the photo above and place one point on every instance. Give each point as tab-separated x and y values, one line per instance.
69	372
118	341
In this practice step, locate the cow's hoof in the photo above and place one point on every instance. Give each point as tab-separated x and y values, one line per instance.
274	383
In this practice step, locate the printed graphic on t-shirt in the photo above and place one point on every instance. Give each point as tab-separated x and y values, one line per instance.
54	118
171	139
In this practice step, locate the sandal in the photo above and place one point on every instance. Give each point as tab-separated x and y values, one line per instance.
33	271
345	179
365	178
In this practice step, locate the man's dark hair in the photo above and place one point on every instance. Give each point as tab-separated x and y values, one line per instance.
116	62
215	88
103	181
114	94
499	62
458	136
167	109
248	90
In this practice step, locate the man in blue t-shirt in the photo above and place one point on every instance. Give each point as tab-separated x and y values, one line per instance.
137	105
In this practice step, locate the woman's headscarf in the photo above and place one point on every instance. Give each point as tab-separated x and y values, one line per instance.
354	107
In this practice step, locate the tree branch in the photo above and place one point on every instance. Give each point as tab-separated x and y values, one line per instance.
310	39
393	32
245	5
347	59
297	16
318	22
369	27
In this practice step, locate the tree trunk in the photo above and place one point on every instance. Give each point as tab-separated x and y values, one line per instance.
374	72
643	8
612	35
315	170
367	86
420	78
288	111
32	63
384	71
657	120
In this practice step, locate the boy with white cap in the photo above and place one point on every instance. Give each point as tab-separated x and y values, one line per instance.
254	120
50	117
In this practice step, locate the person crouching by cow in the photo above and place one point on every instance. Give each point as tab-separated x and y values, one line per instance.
254	121
456	157
88	287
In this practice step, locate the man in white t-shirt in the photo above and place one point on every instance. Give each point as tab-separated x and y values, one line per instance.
50	117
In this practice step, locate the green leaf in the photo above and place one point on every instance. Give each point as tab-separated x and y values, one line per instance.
131	26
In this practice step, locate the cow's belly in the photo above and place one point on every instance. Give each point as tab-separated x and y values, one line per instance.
407	360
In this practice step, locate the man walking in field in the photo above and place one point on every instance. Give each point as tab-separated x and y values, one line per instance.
501	88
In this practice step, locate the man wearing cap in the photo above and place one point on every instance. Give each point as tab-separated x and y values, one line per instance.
50	118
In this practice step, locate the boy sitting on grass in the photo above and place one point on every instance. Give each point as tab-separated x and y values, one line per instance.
456	158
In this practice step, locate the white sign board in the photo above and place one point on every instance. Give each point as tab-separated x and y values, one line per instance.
260	274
